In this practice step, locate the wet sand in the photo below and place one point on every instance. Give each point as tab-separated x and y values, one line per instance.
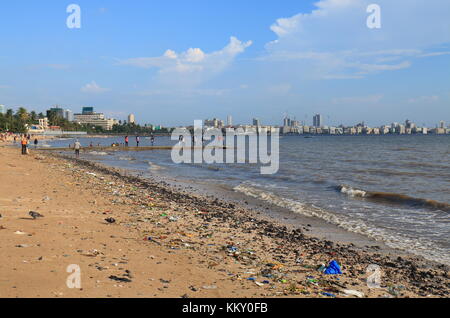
167	242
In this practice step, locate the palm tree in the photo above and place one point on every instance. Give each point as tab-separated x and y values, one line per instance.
22	114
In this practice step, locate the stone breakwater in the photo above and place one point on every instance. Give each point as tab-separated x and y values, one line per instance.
250	249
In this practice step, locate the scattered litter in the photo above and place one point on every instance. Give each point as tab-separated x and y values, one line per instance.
120	279
152	240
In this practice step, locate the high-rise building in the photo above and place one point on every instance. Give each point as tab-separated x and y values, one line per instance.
442	124
229	121
2	109
317	120
68	115
287	122
55	111
256	122
88	110
131	119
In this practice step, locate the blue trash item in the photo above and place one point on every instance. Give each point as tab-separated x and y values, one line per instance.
328	294
333	269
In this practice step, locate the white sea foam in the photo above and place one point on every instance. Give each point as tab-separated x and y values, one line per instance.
353	192
154	167
97	153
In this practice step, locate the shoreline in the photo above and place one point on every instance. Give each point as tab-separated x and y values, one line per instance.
318	226
243	255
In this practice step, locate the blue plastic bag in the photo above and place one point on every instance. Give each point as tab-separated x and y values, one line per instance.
333	269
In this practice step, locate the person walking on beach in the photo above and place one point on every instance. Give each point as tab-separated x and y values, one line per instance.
24	143
126	141
35	143
138	140
77	147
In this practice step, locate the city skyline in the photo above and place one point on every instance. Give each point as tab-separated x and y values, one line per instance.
215	61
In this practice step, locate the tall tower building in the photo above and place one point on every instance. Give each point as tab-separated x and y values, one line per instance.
2	109
230	121
68	115
131	119
317	120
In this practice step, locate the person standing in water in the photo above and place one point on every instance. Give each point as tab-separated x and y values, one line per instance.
152	140
126	141
77	147
138	140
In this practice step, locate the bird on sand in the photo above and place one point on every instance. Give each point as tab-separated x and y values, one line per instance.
35	215
110	220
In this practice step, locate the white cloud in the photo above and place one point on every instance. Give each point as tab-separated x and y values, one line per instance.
192	66
424	99
93	88
333	41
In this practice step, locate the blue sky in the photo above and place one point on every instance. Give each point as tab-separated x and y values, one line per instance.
170	62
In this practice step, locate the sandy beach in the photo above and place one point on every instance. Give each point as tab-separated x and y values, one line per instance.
166	242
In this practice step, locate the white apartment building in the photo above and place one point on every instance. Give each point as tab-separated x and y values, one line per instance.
95	119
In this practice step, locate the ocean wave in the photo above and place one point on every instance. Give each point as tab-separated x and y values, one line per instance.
98	153
393	198
419	246
154	167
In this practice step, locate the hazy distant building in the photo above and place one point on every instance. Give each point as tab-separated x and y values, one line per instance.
442	124
287	122
317	121
131	119
295	123
256	122
55	112
89	117
216	123
2	109
88	110
229	121
68	115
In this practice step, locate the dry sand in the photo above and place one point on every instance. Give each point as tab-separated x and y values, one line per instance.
188	254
